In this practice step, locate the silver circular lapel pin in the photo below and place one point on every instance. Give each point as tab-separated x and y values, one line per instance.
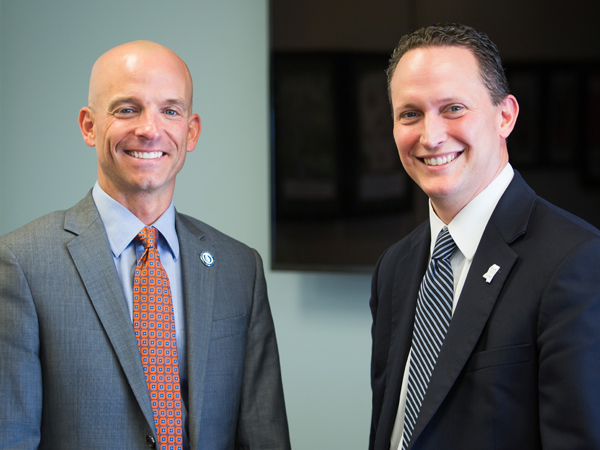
207	259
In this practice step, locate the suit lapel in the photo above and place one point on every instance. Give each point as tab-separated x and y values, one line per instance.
93	259
472	312
199	282
407	279
478	297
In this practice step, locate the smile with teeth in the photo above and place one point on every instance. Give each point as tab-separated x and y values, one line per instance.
440	160
146	155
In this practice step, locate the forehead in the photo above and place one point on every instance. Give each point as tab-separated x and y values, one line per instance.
448	70
143	75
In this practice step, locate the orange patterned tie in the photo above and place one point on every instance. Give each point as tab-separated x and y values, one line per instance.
154	325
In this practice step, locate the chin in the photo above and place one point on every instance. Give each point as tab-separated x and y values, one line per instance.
440	188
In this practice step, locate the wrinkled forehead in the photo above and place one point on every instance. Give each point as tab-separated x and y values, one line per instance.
139	63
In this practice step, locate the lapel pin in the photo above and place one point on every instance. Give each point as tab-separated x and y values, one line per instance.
207	259
489	275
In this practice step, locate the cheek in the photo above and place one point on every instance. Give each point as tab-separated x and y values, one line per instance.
176	142
177	129
405	139
468	130
460	129
109	134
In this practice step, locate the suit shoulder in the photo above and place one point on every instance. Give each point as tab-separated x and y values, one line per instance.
216	236
47	228
403	246
564	225
528	221
553	236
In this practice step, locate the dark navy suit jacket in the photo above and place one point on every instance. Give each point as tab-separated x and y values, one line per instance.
520	365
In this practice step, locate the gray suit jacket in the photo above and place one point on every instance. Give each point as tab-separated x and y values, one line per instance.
70	371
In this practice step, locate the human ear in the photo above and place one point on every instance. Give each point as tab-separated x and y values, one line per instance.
194	127
86	124
509	110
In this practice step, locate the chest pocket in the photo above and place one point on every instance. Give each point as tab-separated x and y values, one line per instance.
499	357
230	326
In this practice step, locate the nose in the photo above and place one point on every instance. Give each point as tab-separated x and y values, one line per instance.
433	132
148	127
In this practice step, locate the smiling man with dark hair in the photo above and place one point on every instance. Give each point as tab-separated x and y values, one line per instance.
485	318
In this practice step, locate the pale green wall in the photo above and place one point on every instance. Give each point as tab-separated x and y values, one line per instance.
47	49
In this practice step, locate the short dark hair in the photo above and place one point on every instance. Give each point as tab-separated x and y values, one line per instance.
457	35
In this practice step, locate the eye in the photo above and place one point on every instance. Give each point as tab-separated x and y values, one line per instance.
408	117
125	110
171	112
455	110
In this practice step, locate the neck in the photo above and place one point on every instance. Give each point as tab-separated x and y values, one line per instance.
446	208
147	213
443	215
146	206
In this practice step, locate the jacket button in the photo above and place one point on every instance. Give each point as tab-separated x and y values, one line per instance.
150	441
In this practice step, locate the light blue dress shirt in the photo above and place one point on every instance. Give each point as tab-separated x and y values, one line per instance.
122	226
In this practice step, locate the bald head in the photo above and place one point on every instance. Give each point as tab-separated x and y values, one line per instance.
139	118
136	58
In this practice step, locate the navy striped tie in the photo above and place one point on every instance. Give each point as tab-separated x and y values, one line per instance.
432	320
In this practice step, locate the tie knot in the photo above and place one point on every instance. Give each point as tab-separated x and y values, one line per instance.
148	237
444	245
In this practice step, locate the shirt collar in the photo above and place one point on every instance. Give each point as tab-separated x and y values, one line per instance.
122	226
468	225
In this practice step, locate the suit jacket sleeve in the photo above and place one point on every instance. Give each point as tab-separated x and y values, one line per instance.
377	371
262	418
20	369
569	353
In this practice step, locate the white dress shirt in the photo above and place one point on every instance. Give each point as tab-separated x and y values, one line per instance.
466	229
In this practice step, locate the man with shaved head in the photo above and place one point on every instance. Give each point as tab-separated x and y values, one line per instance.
123	323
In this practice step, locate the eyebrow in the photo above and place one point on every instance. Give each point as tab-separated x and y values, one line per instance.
177	102
121	100
442	101
410	105
451	100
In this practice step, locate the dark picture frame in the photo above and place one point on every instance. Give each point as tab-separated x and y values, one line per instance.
340	196
335	164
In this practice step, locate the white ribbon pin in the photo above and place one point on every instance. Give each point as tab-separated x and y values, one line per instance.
489	275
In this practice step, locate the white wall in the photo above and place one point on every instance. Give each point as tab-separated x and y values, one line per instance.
47	49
